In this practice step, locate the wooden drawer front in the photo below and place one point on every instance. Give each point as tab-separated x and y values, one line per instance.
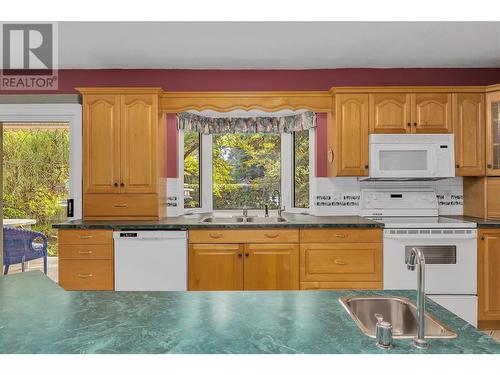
85	236
86	251
341	285
86	274
341	262
340	235
117	205
244	236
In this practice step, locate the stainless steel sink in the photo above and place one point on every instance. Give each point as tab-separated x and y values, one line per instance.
399	311
265	220
243	220
223	220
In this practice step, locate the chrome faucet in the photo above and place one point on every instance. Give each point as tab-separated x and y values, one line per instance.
416	259
245	212
280	209
266	210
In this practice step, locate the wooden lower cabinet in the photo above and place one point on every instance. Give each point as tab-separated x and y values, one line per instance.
271	267
215	267
86	259
488	287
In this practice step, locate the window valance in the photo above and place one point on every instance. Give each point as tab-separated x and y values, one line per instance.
191	122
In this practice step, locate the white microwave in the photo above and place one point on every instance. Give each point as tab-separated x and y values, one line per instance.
412	156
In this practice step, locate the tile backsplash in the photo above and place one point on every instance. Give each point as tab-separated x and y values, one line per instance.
341	195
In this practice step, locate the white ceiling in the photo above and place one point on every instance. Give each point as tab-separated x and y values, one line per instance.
277	45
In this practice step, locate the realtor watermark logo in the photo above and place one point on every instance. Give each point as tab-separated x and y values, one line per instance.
29	58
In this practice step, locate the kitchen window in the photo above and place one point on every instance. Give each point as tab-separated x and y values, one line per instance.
230	171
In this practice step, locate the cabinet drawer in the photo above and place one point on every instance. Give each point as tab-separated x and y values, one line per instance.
86	274
340	235
341	262
116	205
341	285
86	251
244	236
85	237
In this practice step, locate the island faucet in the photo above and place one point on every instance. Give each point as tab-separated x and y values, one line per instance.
416	259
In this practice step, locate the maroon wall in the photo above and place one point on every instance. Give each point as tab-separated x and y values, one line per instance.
270	80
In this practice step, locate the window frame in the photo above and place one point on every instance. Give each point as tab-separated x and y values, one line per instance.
206	174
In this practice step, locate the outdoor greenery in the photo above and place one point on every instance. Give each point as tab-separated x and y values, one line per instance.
246	170
35	178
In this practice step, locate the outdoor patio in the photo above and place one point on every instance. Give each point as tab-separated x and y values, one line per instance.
37	264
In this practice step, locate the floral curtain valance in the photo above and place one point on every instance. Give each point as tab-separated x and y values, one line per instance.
191	122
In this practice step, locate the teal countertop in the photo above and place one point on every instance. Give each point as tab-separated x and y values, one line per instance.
36	316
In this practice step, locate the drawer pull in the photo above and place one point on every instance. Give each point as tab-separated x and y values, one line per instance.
84	275
86	237
120	205
340	262
271	235
85	252
340	235
215	235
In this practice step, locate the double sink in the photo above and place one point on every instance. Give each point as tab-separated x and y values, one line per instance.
243	220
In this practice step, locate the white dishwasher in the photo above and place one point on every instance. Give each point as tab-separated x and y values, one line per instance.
153	260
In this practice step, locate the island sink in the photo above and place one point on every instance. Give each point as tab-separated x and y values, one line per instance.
399	311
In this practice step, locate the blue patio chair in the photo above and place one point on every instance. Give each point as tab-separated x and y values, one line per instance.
19	247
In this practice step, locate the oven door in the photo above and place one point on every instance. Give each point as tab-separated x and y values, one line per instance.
450	260
400	160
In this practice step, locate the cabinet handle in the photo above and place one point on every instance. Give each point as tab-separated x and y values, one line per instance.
366	166
115	184
83	252
215	235
86	237
120	205
489	166
482	238
330	155
247	255
409	124
338	235
458	165
414	124
122	184
340	262
240	255
84	275
271	235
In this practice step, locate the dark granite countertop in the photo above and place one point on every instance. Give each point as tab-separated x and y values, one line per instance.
481	223
36	316
193	222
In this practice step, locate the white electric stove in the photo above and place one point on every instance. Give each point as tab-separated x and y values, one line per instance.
449	245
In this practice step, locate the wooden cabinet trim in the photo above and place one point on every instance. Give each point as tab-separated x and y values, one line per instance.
340	235
243	235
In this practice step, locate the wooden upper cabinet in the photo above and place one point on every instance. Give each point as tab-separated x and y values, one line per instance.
101	143
468	121
431	113
493	133
488	290
390	113
351	111
215	267
271	267
138	143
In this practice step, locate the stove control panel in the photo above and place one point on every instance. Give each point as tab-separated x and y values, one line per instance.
393	202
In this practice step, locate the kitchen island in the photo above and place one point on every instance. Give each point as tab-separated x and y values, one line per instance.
36	316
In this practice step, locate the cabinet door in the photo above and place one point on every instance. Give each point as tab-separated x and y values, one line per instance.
215	267
101	143
139	117
431	113
489	278
493	134
352	133
468	124
271	267
390	113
